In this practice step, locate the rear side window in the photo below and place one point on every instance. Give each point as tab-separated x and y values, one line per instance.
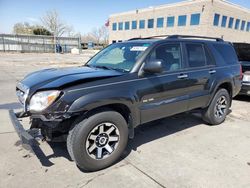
227	53
196	55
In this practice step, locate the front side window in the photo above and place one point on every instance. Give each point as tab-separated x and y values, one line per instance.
142	24
160	22
119	56
170	56
182	20
114	26
216	19
195	19
196	55
126	25
134	24
237	24
243	23
150	23
224	21
231	22
120	26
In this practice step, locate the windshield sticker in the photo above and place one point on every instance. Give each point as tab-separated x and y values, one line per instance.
139	48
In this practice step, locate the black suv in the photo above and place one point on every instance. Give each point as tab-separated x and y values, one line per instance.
96	107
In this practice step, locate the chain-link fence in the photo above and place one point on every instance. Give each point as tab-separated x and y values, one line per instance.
37	43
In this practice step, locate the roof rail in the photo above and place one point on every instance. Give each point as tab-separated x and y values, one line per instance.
151	37
193	36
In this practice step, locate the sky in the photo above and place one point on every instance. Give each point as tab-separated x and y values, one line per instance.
83	15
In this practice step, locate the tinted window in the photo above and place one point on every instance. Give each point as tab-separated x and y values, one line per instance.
170	21
134	24
224	21
216	19
150	23
169	54
196	55
231	22
120	26
142	24
160	22
243	51
243	23
195	19
126	25
182	20
114	26
237	24
227	53
248	26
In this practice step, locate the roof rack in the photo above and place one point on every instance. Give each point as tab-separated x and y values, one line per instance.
190	36
151	37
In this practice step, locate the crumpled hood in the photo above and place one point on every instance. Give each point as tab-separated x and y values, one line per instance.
56	78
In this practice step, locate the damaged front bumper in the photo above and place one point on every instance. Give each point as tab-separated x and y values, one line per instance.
28	138
24	135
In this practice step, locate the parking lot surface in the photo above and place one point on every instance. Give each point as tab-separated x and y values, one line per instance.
179	151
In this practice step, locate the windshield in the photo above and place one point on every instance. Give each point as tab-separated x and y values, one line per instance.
119	56
243	51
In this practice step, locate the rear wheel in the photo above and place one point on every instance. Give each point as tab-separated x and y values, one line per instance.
218	109
98	141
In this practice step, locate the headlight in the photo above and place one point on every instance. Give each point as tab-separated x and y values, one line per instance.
41	100
246	78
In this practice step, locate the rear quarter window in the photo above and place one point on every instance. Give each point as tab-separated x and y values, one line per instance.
227	53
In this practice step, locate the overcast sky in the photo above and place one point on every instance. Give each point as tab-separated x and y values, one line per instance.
82	15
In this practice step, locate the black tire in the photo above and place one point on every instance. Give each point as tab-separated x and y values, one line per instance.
209	114
79	135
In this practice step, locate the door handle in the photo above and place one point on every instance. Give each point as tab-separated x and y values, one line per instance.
212	71
182	76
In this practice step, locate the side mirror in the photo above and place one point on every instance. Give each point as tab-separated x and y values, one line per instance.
154	66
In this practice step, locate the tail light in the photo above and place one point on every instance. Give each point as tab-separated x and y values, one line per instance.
241	72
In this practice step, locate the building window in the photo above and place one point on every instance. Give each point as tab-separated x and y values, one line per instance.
216	19
134	24
243	24
224	21
231	22
195	19
114	26
113	41
150	23
120	26
237	24
182	20
170	21
248	26
126	25
142	24
160	22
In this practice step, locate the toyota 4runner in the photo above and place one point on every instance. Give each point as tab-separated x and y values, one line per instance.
95	107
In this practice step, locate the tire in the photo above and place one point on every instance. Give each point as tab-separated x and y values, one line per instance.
217	111
98	141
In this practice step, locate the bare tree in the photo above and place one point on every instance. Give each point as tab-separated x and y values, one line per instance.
52	22
98	35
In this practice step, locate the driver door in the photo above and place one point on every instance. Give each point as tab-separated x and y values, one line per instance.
164	94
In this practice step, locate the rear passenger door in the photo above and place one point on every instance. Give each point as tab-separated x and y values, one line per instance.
200	70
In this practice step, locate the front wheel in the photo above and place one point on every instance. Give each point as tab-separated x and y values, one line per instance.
98	141
218	109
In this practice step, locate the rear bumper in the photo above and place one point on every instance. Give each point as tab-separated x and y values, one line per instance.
245	89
